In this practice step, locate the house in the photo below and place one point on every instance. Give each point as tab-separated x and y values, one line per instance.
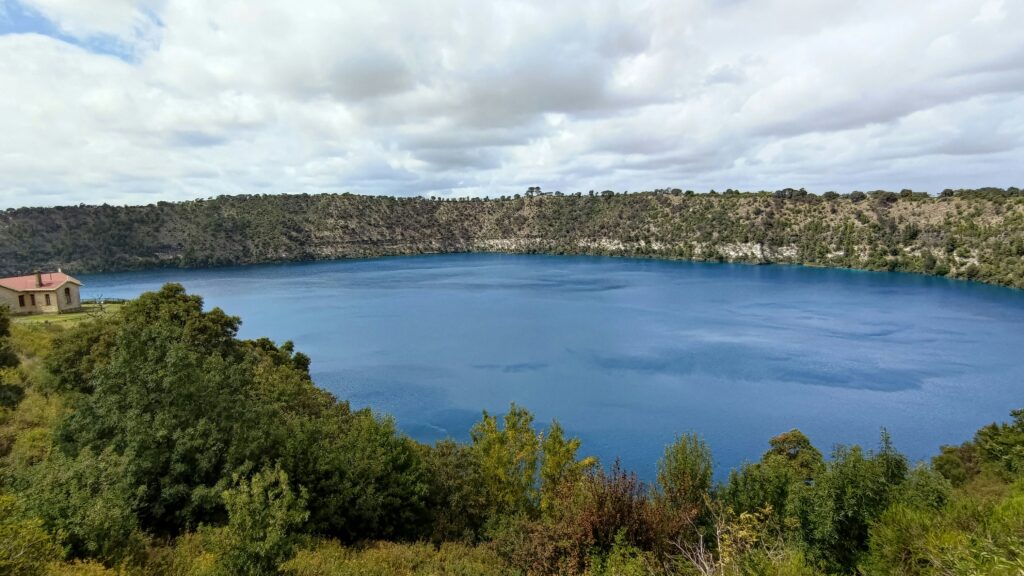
41	293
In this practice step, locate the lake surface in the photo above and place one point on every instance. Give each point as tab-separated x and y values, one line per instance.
628	353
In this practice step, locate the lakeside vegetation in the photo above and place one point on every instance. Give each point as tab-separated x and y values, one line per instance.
153	441
968	234
90	310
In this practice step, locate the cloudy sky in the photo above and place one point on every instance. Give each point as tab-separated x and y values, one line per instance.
125	101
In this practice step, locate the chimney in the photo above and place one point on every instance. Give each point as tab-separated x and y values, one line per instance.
39	279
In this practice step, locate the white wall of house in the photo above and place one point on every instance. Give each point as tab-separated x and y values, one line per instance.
42	302
69	300
9	298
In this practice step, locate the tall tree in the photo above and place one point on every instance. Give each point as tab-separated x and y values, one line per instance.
559	463
685	471
508	458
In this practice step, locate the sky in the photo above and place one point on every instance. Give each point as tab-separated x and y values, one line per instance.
136	101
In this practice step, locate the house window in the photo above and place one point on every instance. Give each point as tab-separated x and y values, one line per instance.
21	300
32	297
47	296
67	295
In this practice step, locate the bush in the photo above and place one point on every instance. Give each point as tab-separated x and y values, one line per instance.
508	459
900	542
263	516
457	496
1003	444
76	352
88	502
790	463
8	358
924	488
329	558
996	447
192	554
173	393
623	559
82	568
684	472
25	546
756	486
364	479
586	518
836	511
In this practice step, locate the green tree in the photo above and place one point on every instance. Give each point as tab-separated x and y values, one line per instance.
1003	444
768	483
89	502
996	448
458	501
898	542
508	461
181	415
77	352
836	511
559	463
790	461
364	479
173	394
923	488
798	452
264	514
25	546
8	358
685	471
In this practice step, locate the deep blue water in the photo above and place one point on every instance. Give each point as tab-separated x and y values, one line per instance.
628	353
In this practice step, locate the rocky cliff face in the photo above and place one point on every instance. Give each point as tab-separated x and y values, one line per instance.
973	234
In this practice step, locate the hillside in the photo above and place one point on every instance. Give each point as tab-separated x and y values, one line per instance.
972	234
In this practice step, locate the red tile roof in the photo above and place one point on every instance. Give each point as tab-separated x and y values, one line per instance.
51	281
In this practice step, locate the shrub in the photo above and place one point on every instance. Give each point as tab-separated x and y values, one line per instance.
192	554
457	497
82	568
8	357
684	472
364	479
899	542
263	515
508	459
25	546
623	559
88	502
836	511
329	558
586	518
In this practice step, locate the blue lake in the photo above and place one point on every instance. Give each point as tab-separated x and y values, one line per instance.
628	353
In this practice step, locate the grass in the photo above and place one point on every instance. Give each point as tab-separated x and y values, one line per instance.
88	311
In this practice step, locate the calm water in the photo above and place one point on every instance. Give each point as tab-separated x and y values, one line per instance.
628	353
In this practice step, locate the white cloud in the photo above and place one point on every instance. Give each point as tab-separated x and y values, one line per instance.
128	25
450	97
113	17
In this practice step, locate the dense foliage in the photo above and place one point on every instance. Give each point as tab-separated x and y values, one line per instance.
972	234
154	441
